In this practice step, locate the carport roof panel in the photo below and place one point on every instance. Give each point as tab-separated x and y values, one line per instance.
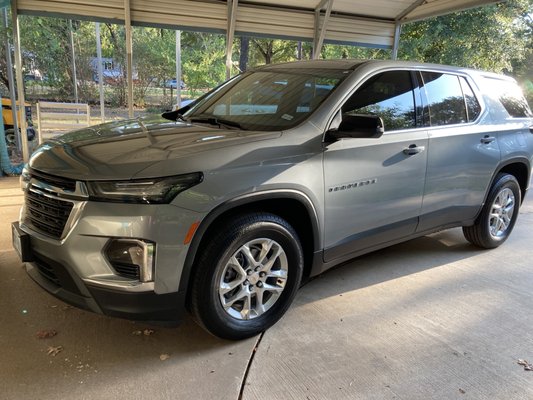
352	21
391	10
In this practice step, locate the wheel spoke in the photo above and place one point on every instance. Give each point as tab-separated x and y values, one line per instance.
259	306
499	226
265	249
245	312
272	260
278	274
240	295
506	219
245	250
226	287
237	267
273	288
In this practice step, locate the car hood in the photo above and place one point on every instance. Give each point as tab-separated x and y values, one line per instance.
121	150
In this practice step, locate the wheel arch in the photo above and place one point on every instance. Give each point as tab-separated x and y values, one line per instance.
292	205
520	168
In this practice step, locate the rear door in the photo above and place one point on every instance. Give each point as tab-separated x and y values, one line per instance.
462	155
374	186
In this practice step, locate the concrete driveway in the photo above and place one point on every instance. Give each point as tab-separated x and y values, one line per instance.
433	318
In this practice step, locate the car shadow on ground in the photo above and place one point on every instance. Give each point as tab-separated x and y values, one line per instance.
390	263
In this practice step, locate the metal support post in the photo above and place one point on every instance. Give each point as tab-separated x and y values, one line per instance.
129	56
73	56
320	31
230	34
11	81
20	81
100	72
396	44
178	69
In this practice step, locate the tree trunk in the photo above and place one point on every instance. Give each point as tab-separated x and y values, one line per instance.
245	50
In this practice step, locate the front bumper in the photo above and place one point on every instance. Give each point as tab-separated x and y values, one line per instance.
76	270
144	306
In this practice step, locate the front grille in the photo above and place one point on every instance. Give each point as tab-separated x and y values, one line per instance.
47	215
127	270
62	183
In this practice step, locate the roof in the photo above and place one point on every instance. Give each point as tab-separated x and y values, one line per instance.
359	22
343	64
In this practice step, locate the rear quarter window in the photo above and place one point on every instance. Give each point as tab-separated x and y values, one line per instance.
507	95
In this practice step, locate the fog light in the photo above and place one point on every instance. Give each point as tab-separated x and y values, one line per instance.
132	258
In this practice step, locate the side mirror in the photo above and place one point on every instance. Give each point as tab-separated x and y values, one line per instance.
174	114
359	126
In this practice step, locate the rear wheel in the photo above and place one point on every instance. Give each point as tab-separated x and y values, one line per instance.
498	216
247	276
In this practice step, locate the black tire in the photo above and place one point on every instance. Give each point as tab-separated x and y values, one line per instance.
214	274
484	233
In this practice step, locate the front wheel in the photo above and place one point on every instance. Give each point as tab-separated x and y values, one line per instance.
247	276
498	216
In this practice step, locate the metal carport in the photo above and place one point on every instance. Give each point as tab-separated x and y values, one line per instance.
374	23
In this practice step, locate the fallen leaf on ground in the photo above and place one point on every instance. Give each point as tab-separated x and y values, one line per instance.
137	333
527	366
462	391
148	332
46	333
164	357
54	351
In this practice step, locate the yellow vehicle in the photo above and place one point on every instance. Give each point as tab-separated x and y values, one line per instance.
7	119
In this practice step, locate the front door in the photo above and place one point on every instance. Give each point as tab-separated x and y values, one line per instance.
374	186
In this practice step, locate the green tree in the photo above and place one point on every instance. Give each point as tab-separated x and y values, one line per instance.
153	59
203	60
490	38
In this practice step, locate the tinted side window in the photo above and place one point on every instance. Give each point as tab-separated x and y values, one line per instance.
473	108
445	97
511	97
388	95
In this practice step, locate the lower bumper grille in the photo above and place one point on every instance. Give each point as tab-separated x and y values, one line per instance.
56	273
47	271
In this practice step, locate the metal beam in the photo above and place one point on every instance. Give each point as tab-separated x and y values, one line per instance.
129	56
396	44
450	10
408	10
20	81
319	37
230	34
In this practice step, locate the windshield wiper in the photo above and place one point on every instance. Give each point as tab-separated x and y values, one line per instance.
217	121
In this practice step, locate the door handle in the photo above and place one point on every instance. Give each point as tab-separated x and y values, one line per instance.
414	149
487	139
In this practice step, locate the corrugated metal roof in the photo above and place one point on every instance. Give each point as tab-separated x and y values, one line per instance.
362	22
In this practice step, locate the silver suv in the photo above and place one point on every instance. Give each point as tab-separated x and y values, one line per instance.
225	206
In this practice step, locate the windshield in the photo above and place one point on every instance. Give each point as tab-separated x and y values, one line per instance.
267	100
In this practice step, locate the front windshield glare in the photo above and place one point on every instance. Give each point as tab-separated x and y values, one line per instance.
269	100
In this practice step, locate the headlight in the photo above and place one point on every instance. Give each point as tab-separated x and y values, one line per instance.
148	191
